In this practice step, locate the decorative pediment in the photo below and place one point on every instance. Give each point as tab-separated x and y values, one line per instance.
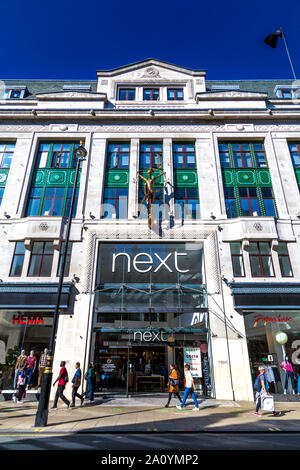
230	95
71	96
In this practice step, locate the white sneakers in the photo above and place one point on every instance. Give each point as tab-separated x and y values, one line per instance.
180	408
14	398
284	393
19	402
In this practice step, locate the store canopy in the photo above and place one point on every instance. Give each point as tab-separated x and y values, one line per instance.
265	295
33	296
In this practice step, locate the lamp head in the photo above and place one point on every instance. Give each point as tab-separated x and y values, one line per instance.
80	152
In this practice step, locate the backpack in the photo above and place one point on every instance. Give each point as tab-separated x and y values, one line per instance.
258	385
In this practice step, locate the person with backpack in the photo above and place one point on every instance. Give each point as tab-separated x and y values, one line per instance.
189	389
62	380
90	378
173	384
76	382
261	388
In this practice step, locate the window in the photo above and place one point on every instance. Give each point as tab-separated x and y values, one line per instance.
268	200
260	259
53	201
68	259
242	155
230	202
151	155
1	195
237	259
6	154
56	155
41	259
115	203
175	94
224	155
249	201
184	155
127	94
34	201
13	93
60	156
284	260
118	155
187	203
18	260
151	94
286	94
68	202
295	154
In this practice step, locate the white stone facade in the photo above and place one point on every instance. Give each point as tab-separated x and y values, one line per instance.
203	117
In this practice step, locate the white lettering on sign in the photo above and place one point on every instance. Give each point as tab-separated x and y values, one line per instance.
144	266
149	336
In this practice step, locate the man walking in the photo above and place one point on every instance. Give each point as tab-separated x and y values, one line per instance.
62	380
261	387
76	381
189	389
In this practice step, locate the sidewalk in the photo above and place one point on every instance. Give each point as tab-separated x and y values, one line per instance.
147	414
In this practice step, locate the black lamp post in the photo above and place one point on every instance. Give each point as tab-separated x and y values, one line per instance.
42	411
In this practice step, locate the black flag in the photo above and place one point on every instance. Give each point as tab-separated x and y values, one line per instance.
271	40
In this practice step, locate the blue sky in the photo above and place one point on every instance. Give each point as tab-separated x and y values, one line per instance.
72	39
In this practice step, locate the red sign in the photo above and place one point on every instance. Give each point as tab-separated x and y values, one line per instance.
27	320
266	319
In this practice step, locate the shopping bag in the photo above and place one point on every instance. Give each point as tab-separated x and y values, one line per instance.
267	403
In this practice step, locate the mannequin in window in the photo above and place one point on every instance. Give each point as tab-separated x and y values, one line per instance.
20	363
148	368
289	374
31	359
42	365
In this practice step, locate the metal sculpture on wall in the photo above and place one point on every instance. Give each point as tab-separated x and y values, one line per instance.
150	191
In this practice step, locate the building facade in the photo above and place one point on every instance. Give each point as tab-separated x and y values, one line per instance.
214	280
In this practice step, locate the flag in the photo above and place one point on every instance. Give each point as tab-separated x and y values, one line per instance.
271	40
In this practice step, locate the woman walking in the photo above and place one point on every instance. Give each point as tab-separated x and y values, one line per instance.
173	384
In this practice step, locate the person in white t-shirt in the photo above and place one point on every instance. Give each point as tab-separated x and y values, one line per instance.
189	389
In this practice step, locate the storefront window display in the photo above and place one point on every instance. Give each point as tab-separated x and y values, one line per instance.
22	334
272	337
150	312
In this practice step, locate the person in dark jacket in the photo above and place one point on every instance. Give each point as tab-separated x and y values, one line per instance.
90	378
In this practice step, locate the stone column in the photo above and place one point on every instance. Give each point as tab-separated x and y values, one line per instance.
133	179
95	178
207	178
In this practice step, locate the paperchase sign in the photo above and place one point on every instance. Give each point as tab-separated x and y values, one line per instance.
192	356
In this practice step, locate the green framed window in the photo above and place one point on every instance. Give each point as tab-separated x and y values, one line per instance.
246	180
115	194
186	193
52	180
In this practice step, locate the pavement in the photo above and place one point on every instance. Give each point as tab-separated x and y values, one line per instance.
147	414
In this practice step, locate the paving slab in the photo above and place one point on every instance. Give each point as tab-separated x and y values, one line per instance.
139	415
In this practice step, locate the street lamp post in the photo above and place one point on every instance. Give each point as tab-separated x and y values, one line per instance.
42	411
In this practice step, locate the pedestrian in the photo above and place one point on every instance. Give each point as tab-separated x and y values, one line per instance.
62	380
261	387
189	389
22	381
76	382
173	384
90	378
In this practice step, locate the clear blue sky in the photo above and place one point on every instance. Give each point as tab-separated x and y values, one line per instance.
71	39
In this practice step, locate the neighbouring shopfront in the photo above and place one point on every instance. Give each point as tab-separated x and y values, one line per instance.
272	323
150	311
26	318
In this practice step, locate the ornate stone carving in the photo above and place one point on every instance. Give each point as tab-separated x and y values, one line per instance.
151	72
